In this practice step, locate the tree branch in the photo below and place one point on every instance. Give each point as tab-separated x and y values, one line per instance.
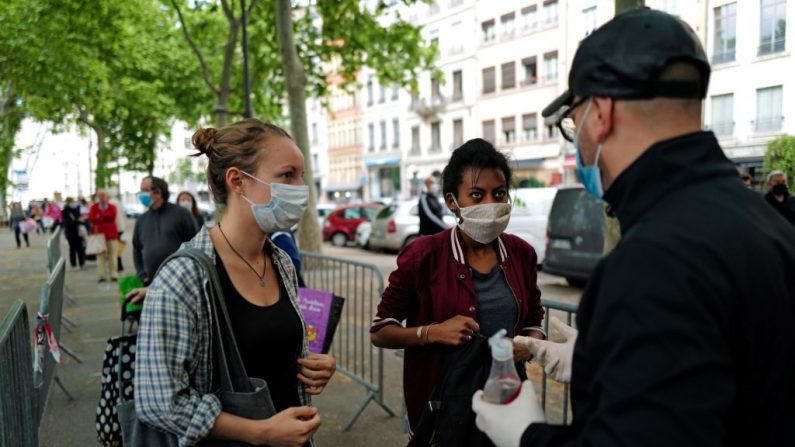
251	7
228	11
192	44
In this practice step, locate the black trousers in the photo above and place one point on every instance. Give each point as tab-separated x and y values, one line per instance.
17	231
77	252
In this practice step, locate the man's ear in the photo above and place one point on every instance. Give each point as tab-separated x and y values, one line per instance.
603	112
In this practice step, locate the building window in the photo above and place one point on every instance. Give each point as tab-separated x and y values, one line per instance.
551	130
395	133
529	18
551	66
458	86
509	75
773	26
670	6
458	133
768	109
456	45
314	133
529	127
394	91
436	137
508	24
589	20
433	8
315	162
415	140
529	71
436	89
550	11
382	124
454	3
488	80
381	93
489	132
725	33
488	30
370	92
509	130
723	114
370	137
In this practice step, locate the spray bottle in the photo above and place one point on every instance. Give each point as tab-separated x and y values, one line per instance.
503	384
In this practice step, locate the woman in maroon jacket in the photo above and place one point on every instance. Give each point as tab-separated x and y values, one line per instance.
469	279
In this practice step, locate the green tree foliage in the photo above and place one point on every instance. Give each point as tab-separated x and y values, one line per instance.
780	155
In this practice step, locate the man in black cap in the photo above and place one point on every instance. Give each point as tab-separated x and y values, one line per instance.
686	334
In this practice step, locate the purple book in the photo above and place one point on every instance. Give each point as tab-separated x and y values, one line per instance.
316	308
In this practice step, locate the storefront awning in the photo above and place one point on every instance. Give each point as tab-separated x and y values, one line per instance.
343	187
382	161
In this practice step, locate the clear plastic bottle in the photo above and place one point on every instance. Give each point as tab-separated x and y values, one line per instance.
503	384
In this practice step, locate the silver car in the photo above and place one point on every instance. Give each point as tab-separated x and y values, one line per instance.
398	224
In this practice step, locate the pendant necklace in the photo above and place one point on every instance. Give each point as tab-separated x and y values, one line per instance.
264	270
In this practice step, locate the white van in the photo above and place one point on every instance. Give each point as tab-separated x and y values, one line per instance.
529	216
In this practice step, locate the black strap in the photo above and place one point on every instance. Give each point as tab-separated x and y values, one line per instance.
232	371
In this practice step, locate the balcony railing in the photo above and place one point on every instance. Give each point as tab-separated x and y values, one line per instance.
769	124
724	57
772	47
429	108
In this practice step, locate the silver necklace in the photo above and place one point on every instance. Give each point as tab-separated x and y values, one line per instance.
264	270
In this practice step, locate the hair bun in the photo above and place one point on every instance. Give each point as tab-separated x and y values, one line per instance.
204	139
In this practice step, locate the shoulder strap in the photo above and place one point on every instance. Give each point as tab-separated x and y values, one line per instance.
232	372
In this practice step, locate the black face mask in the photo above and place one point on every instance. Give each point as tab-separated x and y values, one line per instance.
780	190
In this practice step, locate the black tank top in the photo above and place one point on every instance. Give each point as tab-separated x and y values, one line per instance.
269	340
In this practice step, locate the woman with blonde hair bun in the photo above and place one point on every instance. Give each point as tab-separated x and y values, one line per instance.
255	171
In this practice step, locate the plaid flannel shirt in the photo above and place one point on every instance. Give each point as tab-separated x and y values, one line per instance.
173	367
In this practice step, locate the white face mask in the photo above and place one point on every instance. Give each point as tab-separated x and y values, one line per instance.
484	222
187	204
285	208
435	189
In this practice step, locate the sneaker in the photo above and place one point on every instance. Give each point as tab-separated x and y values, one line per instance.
114	279
101	280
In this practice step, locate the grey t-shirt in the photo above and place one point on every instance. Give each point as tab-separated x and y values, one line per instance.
159	233
497	307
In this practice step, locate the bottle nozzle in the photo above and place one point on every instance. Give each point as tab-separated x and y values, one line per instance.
501	347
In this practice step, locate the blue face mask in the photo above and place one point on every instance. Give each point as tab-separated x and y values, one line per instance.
590	176
145	198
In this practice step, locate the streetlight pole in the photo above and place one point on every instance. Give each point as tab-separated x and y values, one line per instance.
246	84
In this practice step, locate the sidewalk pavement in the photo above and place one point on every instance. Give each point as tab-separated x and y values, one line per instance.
72	423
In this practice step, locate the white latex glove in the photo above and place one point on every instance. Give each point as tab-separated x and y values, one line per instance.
505	424
555	358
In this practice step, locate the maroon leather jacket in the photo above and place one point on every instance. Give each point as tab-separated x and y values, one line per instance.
432	284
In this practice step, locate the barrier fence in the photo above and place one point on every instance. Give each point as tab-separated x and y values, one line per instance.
555	399
18	421
361	285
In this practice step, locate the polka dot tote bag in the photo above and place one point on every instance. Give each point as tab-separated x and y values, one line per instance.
118	368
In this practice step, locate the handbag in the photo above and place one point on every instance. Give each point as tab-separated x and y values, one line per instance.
239	394
118	367
95	244
28	225
82	232
48	222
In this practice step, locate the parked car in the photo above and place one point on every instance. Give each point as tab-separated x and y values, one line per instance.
134	210
398	224
575	235
529	216
323	210
363	235
340	226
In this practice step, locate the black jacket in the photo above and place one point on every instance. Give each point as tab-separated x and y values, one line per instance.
430	214
686	328
785	208
71	220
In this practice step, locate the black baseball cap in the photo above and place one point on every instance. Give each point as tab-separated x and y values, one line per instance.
624	57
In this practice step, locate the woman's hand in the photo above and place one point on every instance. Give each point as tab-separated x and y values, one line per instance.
315	372
454	332
521	353
289	428
135	296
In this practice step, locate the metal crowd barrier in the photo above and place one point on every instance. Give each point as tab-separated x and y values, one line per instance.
47	339
18	425
53	256
555	399
361	285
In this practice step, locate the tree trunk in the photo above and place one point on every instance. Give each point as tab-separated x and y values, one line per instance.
295	77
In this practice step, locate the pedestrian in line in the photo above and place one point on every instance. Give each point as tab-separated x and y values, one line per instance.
121	225
71	224
38	215
430	209
158	232
467	280
53	211
15	220
668	352
188	201
748	181
778	195
256	172
103	221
